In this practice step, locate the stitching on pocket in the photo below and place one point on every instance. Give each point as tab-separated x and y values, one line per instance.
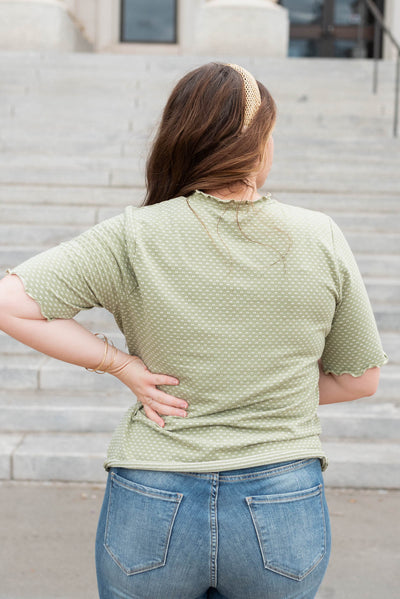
285	497
158	532
266	541
145	490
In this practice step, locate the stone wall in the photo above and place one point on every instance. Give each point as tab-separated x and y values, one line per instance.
251	27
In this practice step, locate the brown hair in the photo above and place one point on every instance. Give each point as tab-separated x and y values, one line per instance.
200	143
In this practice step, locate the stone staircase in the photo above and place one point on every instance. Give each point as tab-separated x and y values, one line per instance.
74	134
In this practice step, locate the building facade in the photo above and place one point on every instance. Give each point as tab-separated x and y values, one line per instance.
295	28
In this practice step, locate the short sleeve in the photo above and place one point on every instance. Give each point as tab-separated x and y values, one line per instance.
92	269
353	344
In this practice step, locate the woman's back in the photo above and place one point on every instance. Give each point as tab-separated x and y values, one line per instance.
239	303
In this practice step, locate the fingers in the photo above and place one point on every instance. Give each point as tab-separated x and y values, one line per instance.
157	402
164	379
165	398
152	415
162	407
169	400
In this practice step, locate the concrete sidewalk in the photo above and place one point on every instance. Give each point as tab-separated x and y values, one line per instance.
48	532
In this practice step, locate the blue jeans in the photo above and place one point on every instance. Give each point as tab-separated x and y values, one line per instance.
252	533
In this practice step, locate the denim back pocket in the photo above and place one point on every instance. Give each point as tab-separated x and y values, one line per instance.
291	530
139	524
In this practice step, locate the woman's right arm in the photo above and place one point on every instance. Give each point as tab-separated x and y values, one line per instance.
346	387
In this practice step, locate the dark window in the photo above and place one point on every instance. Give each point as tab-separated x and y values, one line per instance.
304	12
148	21
341	28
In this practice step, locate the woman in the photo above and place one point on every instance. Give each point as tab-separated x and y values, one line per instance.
241	315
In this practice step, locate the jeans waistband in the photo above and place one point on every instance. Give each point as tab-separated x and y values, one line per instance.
237	474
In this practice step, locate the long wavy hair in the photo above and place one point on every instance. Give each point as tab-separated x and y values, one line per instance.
200	142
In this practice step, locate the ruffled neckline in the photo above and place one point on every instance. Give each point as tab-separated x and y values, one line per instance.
263	198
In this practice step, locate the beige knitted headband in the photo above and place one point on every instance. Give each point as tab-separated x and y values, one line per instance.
253	97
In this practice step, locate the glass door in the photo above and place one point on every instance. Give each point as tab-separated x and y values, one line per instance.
331	28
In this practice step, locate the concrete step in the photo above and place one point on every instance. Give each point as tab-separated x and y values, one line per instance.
319	104
87	62
134	113
68	195
42	235
391	344
360	419
365	127
53	456
33	372
383	290
159	69
22	114
387	317
305	146
332	203
138	91
67	411
80	457
306	97
43	214
66	170
363	243
320	177
50	137
21	372
63	411
302	78
322	124
39	140
378	265
367	222
360	464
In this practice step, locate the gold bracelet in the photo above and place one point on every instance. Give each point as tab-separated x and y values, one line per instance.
107	368
98	368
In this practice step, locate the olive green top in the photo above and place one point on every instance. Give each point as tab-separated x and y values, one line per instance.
238	301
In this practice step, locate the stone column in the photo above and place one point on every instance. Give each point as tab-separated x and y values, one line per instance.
238	27
392	18
39	25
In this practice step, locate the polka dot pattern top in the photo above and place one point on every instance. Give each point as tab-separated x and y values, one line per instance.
236	300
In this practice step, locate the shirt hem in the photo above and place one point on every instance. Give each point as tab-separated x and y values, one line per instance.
14	271
217	465
360	371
